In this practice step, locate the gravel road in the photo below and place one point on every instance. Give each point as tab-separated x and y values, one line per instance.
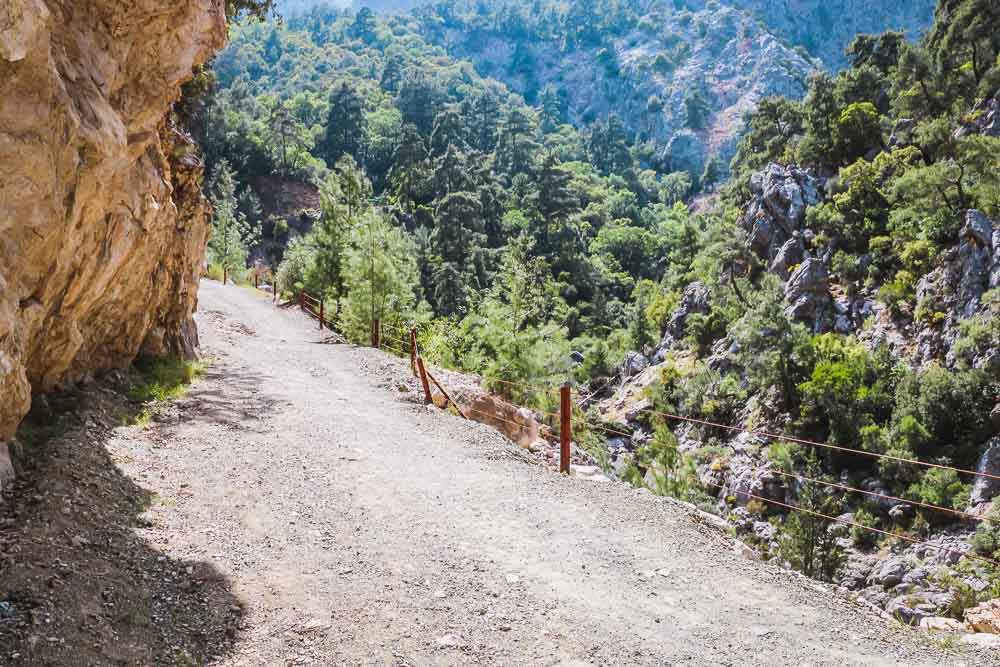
358	527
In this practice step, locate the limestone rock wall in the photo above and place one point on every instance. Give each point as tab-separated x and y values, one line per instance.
102	222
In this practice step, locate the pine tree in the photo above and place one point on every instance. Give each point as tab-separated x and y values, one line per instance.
342	204
455	239
364	26
554	200
485	120
553	111
807	542
289	138
410	169
449	131
452	173
232	233
345	127
517	147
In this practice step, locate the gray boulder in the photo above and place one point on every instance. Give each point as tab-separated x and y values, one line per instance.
790	254
912	608
808	294
694	300
986	489
777	209
888	573
986	119
634	363
978	229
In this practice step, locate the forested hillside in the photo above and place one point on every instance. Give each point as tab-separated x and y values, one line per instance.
841	287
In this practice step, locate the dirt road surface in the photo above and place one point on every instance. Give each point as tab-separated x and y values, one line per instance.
357	527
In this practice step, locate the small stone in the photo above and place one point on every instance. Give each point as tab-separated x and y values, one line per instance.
982	640
941	624
450	641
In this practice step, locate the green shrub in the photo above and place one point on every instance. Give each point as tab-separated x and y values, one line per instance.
807	542
862	538
952	407
898	293
943	488
674	473
163	379
986	540
918	256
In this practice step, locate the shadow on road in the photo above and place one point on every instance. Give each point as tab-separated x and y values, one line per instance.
81	582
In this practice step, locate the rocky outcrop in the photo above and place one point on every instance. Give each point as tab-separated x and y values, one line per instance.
808	294
721	51
984	119
984	617
776	212
985	489
102	221
827	27
956	287
695	300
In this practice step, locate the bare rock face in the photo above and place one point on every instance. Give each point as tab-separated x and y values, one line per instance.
776	214
102	222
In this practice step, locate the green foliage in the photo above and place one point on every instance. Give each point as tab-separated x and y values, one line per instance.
163	379
953	407
806	541
982	331
775	352
697	108
942	488
847	389
674	474
986	541
381	275
860	535
232	233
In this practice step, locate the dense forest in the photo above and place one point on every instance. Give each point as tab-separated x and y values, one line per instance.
841	286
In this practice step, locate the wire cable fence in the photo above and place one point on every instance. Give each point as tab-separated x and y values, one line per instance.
402	340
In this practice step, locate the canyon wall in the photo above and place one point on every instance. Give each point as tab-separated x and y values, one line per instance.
102	222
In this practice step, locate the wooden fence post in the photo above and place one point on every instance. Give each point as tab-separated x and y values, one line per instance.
302	299
423	379
225	274
413	350
322	313
377	335
565	428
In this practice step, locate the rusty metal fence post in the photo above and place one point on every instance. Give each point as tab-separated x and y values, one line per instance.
413	350
565	428
423	379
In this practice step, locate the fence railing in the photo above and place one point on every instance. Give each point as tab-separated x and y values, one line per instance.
406	344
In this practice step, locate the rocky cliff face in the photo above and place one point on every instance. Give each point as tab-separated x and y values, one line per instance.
102	222
826	27
723	53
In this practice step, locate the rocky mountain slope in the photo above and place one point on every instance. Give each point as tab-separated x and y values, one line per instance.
102	221
921	578
826	27
660	61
